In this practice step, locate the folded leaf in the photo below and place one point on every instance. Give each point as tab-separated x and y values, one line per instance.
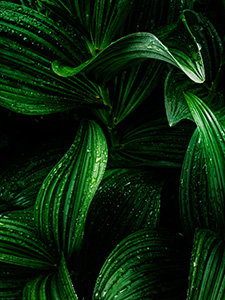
20	245
213	146
175	44
176	106
206	278
147	264
65	196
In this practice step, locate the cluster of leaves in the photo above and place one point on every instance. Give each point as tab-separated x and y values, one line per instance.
134	209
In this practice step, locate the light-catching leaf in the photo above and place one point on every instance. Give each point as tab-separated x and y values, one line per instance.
65	196
176	106
126	201
139	266
53	286
20	245
213	146
207	269
29	43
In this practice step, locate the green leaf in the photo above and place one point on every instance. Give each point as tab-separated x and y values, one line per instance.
195	205
139	266
126	201
213	146
128	90
29	43
103	19
206	278
12	281
176	106
23	176
151	143
53	286
20	245
65	196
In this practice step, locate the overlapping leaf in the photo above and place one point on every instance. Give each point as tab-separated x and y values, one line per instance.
20	245
21	180
29	43
213	148
176	107
206	278
136	47
151	144
65	196
138	268
53	286
126	201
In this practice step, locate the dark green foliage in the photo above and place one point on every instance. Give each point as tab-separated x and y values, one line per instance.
133	207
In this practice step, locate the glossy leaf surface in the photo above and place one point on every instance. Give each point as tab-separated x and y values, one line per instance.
206	278
213	146
138	268
20	245
29	43
53	286
65	196
126	201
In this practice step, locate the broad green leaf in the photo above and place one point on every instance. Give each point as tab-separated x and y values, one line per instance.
126	201
66	193
29	43
20	245
12	281
128	90
102	19
213	146
148	264
176	106
152	143
206	278
53	286
134	48
22	178
195	205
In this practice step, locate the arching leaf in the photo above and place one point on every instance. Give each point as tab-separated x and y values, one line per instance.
53	286
20	245
176	106
182	52
65	196
126	201
206	278
29	43
139	266
213	146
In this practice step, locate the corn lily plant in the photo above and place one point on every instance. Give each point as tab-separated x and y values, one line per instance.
133	206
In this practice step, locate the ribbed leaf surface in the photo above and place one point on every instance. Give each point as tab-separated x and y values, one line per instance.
195	205
53	286
64	198
176	106
213	146
29	43
20	245
139	266
21	180
152	144
126	201
207	270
